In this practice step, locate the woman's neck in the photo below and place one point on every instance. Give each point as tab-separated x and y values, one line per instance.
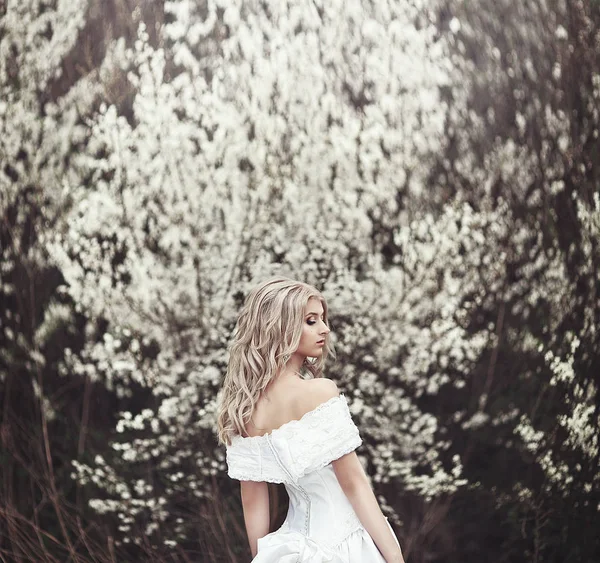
293	366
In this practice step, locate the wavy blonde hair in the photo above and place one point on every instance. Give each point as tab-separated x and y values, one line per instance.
267	333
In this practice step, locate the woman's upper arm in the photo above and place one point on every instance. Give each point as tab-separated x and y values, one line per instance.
253	492
348	470
255	504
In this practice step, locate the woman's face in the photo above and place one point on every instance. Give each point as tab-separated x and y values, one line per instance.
314	330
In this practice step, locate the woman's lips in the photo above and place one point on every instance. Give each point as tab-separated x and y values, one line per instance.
320	342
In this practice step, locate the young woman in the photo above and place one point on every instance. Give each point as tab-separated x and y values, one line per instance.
283	422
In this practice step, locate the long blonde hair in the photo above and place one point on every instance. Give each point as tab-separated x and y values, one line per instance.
267	333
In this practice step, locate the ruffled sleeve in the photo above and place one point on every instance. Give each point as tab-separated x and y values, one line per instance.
318	438
251	459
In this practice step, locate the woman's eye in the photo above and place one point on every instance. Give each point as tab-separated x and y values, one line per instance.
311	321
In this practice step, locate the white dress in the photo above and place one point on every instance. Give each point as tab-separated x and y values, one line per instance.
321	524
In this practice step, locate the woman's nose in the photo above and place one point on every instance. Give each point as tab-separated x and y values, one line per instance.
324	329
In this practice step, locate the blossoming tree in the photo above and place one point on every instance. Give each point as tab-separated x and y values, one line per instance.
360	147
262	139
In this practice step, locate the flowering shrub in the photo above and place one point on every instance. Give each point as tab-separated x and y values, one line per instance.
221	176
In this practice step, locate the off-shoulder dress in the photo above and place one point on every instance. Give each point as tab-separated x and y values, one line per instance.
321	525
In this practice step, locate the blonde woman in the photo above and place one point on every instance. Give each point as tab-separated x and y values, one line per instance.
283	422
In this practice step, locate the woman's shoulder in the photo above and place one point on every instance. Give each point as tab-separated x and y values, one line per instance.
316	392
290	401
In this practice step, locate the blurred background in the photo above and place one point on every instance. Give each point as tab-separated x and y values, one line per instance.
432	166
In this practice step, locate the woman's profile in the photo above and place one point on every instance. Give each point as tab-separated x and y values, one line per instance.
283	422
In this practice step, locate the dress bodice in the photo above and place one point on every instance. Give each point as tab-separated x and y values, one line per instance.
320	522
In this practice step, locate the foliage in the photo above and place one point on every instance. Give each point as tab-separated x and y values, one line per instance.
432	168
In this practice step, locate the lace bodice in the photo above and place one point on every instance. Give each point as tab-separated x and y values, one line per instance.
296	448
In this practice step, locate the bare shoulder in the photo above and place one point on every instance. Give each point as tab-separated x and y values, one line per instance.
289	400
318	391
